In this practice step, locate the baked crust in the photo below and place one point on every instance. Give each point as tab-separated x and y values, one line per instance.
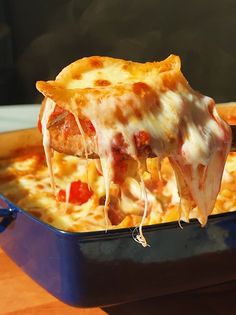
98	78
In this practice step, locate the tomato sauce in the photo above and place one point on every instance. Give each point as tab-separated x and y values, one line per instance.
68	124
79	193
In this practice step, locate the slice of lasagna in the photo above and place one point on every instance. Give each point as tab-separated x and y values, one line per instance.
117	110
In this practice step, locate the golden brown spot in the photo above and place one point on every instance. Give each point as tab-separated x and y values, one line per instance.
102	82
72	229
98	217
76	76
141	89
125	67
148	95
39	186
202	172
4	178
96	62
136	110
13	197
171	81
30	176
120	116
49	219
35	213
25	153
171	138
69	210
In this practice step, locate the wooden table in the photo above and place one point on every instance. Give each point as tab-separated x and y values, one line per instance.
19	295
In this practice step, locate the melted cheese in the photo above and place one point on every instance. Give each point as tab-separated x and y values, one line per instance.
48	110
123	98
25	181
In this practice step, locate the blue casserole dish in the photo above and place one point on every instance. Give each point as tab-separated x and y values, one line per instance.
107	268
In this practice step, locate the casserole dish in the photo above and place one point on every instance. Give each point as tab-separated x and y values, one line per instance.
105	268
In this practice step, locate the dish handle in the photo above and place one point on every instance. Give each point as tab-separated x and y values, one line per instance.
7	213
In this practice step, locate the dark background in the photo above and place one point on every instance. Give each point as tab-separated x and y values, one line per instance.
38	38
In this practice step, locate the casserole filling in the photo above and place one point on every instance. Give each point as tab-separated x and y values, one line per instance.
24	180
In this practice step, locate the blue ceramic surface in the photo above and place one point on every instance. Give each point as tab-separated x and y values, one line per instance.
105	268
